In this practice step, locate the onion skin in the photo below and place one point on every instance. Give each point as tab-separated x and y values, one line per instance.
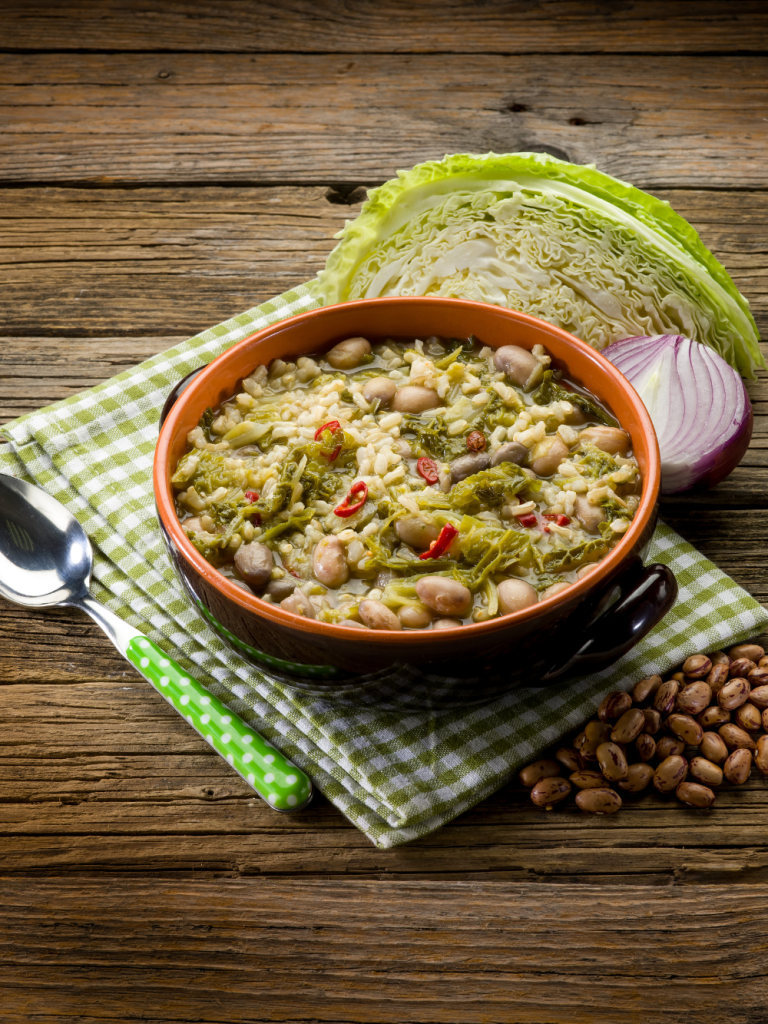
698	403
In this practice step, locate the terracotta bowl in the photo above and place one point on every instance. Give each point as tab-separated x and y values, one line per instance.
565	634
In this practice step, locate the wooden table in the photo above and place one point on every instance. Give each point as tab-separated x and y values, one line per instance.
167	165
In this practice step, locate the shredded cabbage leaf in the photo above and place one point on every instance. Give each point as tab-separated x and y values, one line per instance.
563	242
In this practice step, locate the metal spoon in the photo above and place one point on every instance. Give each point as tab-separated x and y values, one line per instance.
46	560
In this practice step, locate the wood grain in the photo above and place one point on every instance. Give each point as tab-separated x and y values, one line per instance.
659	121
259	950
401	26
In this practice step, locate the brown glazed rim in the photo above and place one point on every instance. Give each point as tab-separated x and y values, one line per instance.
217	370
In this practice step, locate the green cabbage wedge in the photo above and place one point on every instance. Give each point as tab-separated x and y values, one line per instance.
560	241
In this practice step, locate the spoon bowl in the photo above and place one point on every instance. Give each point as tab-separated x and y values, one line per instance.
45	554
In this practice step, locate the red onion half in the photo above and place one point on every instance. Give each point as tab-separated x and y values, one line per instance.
698	404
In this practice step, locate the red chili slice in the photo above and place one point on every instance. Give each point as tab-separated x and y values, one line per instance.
441	544
559	518
251	496
527	520
333	425
347	508
429	470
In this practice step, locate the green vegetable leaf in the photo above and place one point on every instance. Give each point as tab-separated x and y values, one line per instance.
550	391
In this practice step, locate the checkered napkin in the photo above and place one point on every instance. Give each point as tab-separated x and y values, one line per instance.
396	776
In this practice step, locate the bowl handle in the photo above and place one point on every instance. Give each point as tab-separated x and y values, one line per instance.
177	389
647	594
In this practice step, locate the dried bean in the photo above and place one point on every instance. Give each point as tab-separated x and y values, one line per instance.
630	725
758	677
719	658
740	667
665	697
643	689
598	801
694	698
638	777
645	746
765	720
713	747
550	791
733	694
697	666
705	771
747	717
694	795
543	769
587	779
738	767
761	754
713	716
669	746
570	759
670	773
686	729
759	697
718	677
763	663
652	721
595	733
679	677
735	738
613	706
613	763
752	651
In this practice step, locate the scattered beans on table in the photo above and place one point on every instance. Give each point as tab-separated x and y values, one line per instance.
687	735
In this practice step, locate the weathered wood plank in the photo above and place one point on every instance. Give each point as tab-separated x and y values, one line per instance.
552	26
658	121
166	262
351	951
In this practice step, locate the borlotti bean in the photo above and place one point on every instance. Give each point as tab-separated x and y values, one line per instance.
645	688
548	792
629	726
645	746
686	729
697	666
695	795
713	747
738	767
752	651
613	706
665	697
694	698
741	667
748	717
543	769
613	763
733	694
570	759
587	779
702	727
598	801
718	677
669	745
638	778
711	717
706	772
652	721
670	773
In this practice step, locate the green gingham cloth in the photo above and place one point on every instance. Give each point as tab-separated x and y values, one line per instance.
397	776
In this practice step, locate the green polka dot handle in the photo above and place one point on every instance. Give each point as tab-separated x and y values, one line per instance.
275	779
